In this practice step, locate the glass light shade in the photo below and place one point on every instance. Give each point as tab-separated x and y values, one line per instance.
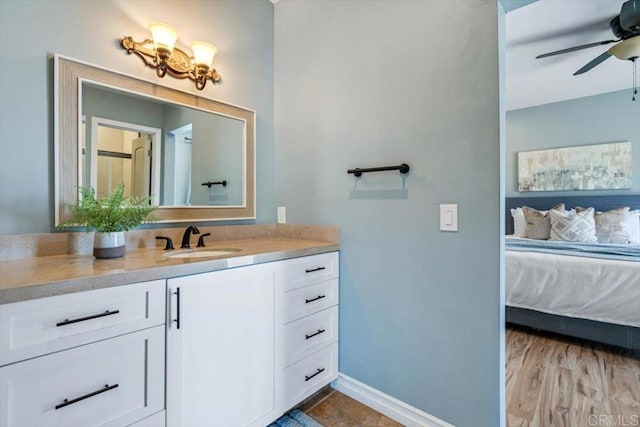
203	53
626	49
164	36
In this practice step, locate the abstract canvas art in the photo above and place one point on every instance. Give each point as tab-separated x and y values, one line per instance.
587	167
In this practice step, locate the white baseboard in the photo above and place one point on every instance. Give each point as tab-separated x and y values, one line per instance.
385	404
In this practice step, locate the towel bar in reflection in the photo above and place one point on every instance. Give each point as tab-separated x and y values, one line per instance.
209	183
403	168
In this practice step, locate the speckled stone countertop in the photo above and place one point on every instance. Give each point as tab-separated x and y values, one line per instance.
45	276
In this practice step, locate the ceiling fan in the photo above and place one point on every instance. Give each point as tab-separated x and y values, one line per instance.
626	27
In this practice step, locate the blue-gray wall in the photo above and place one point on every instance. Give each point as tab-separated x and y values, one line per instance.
610	117
359	83
216	155
373	83
31	31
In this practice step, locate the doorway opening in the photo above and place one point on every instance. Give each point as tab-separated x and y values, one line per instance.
122	152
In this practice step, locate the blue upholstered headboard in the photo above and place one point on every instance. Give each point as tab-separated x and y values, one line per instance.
600	203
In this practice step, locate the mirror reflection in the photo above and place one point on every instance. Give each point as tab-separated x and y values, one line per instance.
179	156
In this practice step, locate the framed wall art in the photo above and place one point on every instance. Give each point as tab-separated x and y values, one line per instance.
586	167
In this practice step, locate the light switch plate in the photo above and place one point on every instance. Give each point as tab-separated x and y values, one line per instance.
282	215
448	217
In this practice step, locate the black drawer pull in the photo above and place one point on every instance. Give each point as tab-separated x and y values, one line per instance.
307	301
311	270
68	402
318	372
177	319
82	319
320	331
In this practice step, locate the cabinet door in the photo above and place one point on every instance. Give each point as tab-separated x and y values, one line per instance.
220	348
114	382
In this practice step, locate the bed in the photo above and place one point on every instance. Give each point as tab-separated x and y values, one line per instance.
589	291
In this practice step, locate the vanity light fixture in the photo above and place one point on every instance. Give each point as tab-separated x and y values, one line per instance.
160	53
164	40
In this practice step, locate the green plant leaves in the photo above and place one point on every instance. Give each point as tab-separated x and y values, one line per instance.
111	213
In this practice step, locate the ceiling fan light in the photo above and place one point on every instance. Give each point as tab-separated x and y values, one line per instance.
626	49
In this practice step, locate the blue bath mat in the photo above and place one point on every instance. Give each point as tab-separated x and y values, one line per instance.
295	418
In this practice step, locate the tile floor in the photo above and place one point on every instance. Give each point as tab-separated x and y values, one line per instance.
334	409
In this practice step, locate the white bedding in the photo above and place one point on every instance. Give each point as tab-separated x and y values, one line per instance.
588	288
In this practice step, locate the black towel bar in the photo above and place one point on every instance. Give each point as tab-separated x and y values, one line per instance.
209	183
403	168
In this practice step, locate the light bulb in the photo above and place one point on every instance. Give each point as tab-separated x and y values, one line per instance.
203	53
164	36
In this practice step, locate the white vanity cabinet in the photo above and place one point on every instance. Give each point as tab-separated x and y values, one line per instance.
221	348
244	345
234	347
93	358
307	326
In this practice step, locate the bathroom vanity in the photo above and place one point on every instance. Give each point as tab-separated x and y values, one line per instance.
232	334
152	339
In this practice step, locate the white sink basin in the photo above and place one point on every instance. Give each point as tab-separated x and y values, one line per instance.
202	253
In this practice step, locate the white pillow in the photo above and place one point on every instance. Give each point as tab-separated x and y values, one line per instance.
633	226
611	226
519	224
573	227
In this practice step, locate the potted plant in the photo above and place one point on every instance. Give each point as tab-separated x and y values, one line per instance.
110	217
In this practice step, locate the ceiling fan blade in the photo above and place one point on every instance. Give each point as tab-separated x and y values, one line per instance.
573	49
596	61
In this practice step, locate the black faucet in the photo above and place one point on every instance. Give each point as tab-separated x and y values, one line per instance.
169	244
201	240
187	235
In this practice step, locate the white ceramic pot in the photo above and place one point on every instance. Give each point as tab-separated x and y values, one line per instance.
109	245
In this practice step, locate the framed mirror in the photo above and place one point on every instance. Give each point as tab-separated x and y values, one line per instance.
193	156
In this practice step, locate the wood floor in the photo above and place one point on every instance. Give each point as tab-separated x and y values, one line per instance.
551	381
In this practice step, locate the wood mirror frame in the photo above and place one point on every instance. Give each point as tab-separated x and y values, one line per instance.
68	77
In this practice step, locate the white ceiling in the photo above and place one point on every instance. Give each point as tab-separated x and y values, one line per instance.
549	25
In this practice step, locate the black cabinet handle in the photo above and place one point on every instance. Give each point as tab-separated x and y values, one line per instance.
68	402
311	270
318	372
320	331
307	301
82	319
177	319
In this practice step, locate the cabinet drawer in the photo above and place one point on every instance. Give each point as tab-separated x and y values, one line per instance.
309	334
156	420
41	326
112	382
311	299
305	271
311	374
